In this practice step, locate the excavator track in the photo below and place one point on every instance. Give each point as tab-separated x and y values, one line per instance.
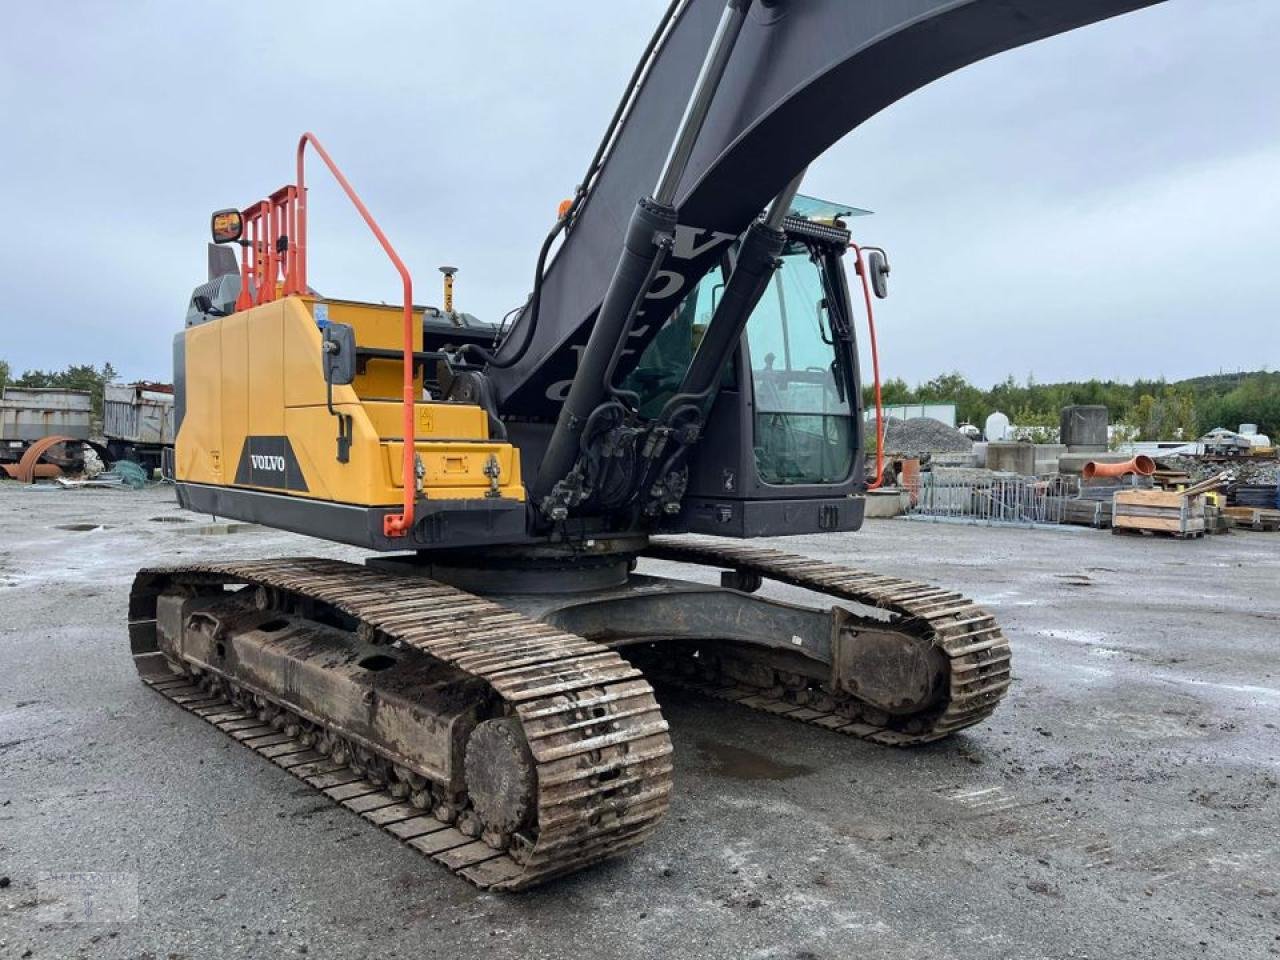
597	737
977	653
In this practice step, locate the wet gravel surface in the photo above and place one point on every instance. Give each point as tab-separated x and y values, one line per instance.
1122	803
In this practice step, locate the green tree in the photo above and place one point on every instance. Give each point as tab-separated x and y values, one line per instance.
4	374
1155	408
84	376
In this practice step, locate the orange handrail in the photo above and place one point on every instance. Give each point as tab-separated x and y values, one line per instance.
875	367
393	525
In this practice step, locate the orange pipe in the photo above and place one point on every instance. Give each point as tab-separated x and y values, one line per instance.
1142	465
393	525
875	367
911	479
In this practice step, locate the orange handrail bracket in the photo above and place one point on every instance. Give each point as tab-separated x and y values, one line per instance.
875	367
393	525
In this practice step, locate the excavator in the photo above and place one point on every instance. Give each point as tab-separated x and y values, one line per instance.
683	378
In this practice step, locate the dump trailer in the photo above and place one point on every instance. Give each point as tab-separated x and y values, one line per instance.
137	422
28	414
682	378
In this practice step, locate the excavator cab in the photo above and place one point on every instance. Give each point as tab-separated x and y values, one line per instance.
786	428
791	371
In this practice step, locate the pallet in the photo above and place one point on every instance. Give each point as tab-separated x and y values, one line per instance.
1253	518
1173	534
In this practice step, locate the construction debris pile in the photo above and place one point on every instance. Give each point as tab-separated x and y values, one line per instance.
1191	490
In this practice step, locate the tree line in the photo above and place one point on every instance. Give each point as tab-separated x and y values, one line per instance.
1155	409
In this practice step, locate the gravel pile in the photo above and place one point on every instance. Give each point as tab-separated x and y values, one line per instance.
1244	471
921	435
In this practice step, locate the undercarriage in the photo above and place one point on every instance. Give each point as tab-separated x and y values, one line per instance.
514	736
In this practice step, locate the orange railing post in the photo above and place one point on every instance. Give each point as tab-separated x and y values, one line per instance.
393	525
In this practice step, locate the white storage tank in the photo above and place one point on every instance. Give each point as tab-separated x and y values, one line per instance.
997	427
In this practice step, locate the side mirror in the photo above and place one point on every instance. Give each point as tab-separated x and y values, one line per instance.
227	226
878	265
339	354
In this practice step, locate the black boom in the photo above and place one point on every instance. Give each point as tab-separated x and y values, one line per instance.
801	75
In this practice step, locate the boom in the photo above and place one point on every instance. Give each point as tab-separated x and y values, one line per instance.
801	76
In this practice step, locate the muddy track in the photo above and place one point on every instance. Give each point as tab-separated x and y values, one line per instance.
598	740
597	736
977	652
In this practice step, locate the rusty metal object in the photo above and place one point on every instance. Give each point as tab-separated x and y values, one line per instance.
25	472
41	471
602	758
26	468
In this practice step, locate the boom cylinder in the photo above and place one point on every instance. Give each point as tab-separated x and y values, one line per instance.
651	228
649	235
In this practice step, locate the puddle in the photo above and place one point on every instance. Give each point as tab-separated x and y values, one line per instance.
219	529
80	527
739	763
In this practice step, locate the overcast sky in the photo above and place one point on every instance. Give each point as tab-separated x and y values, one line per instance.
1104	203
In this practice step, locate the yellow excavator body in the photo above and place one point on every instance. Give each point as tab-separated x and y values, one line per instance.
259	414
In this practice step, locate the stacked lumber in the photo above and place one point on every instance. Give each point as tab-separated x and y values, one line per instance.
1169	479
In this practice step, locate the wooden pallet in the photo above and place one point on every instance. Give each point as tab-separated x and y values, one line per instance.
1254	518
1173	534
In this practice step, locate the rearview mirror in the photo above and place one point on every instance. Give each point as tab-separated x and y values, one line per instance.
878	267
227	226
339	354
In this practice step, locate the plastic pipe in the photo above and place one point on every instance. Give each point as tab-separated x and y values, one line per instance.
1142	465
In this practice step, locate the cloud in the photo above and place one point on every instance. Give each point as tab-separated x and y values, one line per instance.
1102	203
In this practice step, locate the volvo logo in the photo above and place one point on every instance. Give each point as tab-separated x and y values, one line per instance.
269	462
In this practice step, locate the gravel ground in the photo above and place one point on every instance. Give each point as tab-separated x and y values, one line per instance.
1122	803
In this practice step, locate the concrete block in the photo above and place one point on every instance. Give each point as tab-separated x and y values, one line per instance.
1024	459
884	503
1011	456
1083	428
1046	458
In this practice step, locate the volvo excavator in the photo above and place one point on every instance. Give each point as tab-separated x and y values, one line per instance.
682	378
